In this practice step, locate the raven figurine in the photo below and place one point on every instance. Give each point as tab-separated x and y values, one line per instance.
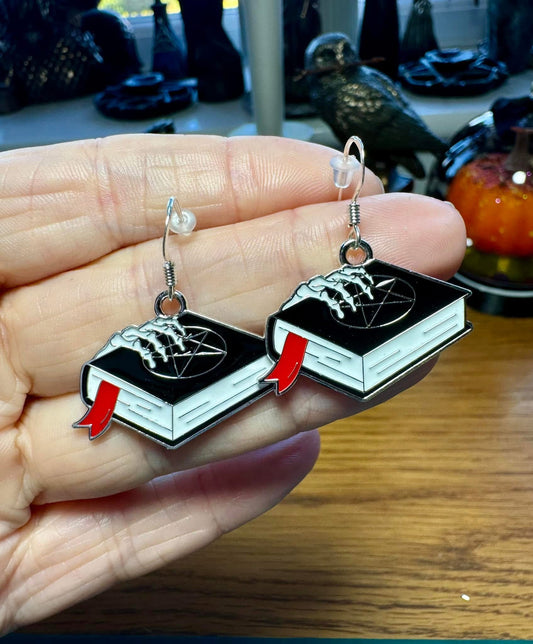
355	99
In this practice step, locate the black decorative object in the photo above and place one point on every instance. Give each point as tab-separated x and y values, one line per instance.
10	95
165	126
380	35
362	327
352	97
510	30
44	57
419	36
301	23
489	132
115	40
500	284
168	56
207	372
145	96
453	72
177	374
212	58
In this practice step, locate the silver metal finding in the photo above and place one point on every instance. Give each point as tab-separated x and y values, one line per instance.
177	296
352	244
354	240
354	211
170	210
354	208
168	267
170	278
355	140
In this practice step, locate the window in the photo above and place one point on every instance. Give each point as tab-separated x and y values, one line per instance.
457	23
134	8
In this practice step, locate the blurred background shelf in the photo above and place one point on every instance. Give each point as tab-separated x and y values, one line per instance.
78	119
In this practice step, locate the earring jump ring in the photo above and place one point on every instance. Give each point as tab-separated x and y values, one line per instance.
352	244
163	297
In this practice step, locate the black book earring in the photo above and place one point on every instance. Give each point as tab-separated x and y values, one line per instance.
176	375
366	324
357	329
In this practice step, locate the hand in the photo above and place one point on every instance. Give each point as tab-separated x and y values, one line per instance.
80	258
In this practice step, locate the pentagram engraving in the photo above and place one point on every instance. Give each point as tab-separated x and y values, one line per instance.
391	300
197	351
358	299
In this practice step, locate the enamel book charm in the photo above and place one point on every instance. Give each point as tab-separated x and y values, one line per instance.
176	375
357	330
363	326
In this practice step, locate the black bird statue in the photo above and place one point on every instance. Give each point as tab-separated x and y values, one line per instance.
355	99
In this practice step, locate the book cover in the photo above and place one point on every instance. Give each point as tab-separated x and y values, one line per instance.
360	328
172	378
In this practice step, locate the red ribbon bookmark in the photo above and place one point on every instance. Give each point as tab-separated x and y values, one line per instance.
289	364
100	415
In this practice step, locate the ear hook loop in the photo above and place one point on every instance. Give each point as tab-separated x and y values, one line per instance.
344	167
169	267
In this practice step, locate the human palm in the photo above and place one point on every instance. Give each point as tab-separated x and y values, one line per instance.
80	258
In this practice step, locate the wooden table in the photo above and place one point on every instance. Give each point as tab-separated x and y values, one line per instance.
416	522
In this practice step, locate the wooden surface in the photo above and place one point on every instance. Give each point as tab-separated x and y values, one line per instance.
413	507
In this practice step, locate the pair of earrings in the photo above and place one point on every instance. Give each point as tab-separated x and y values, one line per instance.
357	330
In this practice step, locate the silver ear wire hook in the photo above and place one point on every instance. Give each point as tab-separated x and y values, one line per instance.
354	208
170	209
355	140
344	167
180	221
170	275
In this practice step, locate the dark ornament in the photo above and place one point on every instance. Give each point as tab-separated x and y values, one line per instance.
510	32
487	133
419	35
114	38
145	96
44	57
212	58
168	56
173	377
165	126
301	23
453	72
501	280
380	35
362	327
352	97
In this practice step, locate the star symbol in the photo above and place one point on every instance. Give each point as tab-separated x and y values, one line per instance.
197	347
393	299
201	351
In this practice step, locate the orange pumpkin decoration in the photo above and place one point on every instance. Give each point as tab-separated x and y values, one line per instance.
496	204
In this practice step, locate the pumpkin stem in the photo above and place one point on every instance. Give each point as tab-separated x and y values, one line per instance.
519	157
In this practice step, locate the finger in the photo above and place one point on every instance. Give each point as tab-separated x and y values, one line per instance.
261	262
69	552
62	464
65	205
